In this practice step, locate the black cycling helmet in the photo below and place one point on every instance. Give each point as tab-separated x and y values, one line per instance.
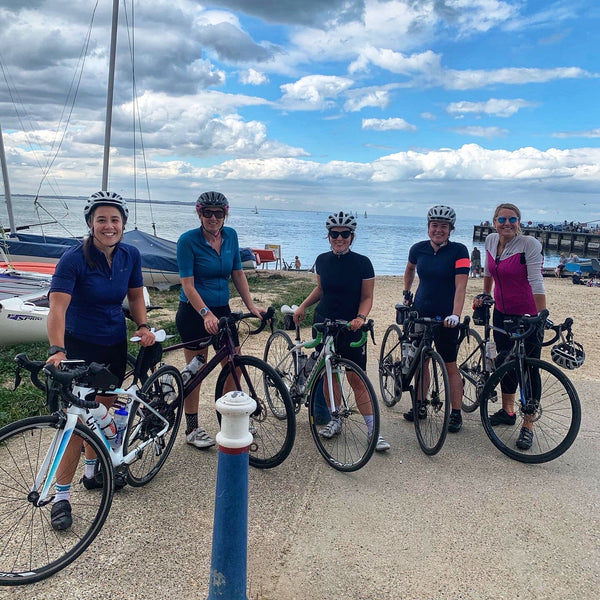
213	200
341	219
442	213
104	199
568	355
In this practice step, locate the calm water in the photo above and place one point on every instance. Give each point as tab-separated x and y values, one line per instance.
386	240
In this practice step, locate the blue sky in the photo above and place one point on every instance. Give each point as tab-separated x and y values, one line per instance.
386	105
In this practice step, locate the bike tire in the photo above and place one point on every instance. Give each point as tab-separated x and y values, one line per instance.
556	416
277	355
31	550
163	390
352	448
273	435
432	430
390	361
471	363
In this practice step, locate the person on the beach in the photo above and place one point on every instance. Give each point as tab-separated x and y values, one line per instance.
475	262
344	290
297	263
560	267
86	320
443	268
207	257
513	267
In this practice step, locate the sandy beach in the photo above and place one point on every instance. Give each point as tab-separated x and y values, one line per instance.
467	523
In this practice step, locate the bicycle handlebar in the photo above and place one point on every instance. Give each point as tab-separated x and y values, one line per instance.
532	323
558	329
234	317
324	328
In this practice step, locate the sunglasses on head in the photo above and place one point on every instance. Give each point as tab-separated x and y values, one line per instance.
207	213
334	235
511	220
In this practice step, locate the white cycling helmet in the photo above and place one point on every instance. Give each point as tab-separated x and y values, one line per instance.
568	355
105	199
442	213
341	219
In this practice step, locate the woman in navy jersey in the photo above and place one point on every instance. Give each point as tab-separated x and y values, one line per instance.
513	267
443	269
344	290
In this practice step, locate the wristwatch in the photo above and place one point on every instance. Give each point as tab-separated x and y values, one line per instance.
204	311
55	350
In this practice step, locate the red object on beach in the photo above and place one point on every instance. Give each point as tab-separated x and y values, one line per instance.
37	267
263	255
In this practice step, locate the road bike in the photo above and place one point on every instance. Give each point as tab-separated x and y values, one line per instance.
273	423
32	451
545	398
408	363
309	379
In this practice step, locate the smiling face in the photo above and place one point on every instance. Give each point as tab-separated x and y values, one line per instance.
507	230
212	219
107	226
339	245
439	232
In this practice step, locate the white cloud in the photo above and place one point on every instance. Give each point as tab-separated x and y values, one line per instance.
396	62
485	132
493	106
313	92
592	133
392	124
253	77
367	97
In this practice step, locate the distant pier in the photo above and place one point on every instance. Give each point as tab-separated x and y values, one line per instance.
582	244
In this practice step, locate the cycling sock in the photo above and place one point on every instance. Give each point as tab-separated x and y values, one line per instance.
90	467
62	492
456	411
191	422
369	421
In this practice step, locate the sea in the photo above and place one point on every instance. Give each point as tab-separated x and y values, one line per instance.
386	240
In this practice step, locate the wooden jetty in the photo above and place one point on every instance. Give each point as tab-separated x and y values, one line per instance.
582	244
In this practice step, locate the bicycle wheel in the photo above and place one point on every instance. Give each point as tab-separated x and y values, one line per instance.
470	362
551	404
273	435
163	391
431	391
390	359
277	354
355	438
30	549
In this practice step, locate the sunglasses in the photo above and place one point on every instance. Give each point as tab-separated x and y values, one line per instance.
334	235
207	213
511	220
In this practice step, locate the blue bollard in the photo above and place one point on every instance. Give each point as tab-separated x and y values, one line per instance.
228	570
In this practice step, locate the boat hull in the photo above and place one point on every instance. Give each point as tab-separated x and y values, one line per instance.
22	322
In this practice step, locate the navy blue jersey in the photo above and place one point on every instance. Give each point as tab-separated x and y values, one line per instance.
341	284
437	270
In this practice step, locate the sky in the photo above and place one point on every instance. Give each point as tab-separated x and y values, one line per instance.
388	106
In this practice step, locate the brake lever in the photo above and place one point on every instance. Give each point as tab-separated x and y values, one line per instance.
18	378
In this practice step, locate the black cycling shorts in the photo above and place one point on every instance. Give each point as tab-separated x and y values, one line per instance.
191	325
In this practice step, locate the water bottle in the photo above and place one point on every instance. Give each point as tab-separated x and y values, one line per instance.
103	420
192	368
406	357
121	418
490	354
302	358
310	363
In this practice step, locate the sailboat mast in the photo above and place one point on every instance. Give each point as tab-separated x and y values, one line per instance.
11	219
109	95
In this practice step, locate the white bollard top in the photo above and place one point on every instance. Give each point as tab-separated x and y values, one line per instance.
235	408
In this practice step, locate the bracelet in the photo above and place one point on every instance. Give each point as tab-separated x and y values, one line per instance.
55	350
361	316
143	325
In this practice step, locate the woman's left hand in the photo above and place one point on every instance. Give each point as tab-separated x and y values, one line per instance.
257	312
356	323
146	336
451	321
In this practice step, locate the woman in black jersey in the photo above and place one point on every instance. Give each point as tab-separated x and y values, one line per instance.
443	268
344	290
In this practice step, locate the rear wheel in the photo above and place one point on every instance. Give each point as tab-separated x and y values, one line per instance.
30	549
273	423
470	362
277	354
431	396
355	412
551	406
390	360
163	391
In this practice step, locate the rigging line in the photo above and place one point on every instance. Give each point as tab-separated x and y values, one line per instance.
136	113
80	65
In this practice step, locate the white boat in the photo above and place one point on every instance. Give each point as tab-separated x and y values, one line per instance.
22	322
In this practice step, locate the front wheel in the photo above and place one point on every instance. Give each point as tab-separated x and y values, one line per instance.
278	355
163	391
348	440
545	402
390	361
471	362
30	549
273	423
431	402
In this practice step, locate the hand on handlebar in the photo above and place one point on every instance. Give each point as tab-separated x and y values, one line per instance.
56	359
211	323
147	337
356	323
451	321
299	315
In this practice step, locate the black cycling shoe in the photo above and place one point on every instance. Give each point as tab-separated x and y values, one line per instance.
93	483
525	439
60	515
503	418
410	415
455	422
